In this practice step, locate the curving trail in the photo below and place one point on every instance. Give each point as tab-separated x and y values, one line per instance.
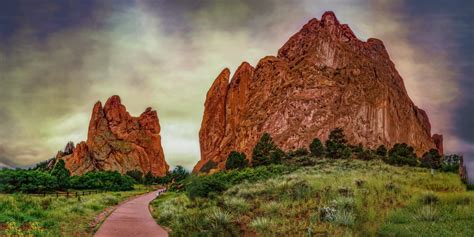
132	218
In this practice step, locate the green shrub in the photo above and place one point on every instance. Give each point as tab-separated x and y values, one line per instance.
136	175
427	213
431	159
300	190
110	200
149	178
271	208
266	152
239	205
402	154
26	181
236	160
262	225
317	148
366	154
381	151
219	219
202	186
103	180
344	203
336	145
356	149
345	218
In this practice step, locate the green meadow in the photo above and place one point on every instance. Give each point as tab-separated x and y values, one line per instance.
338	197
32	215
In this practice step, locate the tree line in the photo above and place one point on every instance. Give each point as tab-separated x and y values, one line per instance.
41	179
267	152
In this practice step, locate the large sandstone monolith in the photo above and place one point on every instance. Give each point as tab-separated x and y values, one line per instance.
322	78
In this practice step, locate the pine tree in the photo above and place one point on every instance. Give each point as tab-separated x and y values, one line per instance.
236	160
432	159
62	174
336	145
317	148
266	152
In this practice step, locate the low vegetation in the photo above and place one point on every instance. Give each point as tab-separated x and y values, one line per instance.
35	215
340	197
59	179
336	188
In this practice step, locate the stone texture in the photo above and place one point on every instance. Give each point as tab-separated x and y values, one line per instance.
438	140
323	78
119	142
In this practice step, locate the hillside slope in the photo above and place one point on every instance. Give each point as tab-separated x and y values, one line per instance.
338	197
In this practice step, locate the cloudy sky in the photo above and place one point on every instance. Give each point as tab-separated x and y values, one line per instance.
58	57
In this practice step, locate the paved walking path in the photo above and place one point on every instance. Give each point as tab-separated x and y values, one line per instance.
132	219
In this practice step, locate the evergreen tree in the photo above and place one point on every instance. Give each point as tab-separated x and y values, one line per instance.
236	160
266	152
381	151
137	175
62	174
317	148
336	145
402	154
179	173
432	159
149	178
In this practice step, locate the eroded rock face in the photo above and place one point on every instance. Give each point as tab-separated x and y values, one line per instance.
323	78
119	142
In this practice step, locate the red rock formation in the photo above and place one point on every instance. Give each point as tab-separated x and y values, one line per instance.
323	78
117	141
438	140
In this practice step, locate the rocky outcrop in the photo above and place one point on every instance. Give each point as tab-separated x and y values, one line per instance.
438	140
119	142
322	78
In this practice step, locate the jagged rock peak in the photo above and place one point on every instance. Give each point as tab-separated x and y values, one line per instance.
329	18
322	78
117	141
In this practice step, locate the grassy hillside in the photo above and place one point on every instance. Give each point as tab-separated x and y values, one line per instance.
28	215
341	197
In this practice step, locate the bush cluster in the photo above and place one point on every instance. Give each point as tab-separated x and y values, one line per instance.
203	186
266	152
236	160
102	180
58	179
